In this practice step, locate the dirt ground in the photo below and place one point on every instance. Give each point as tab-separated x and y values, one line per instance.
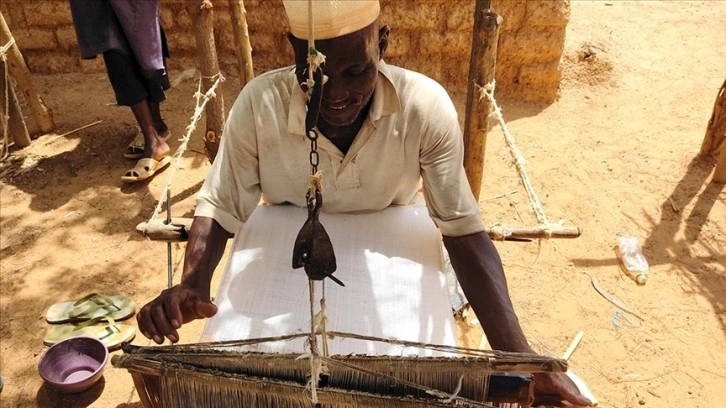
617	154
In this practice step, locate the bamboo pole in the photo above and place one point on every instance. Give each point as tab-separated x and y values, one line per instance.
481	72
242	41
203	21
14	123
19	70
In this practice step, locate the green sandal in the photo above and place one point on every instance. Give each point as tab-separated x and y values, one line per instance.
111	334
91	306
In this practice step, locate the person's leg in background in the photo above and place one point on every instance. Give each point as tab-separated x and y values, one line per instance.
143	96
152	127
159	123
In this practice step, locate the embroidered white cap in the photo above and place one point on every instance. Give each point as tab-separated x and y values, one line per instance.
331	18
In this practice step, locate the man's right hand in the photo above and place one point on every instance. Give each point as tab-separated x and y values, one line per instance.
174	307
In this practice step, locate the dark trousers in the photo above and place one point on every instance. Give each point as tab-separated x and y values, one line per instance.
128	82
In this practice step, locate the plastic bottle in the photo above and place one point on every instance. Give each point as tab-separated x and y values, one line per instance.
632	259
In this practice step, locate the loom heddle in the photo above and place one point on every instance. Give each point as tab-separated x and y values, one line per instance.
217	375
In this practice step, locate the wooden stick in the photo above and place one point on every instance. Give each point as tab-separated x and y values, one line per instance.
532	233
716	128
81	128
501	195
481	72
611	298
54	138
673	205
242	40
715	139
719	174
15	122
159	230
203	21
714	373
148	387
19	70
573	345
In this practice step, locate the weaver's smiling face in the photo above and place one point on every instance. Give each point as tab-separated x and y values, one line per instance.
351	67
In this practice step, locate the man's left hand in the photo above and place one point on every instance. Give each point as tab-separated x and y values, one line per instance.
556	389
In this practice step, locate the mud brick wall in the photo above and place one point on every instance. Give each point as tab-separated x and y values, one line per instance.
430	36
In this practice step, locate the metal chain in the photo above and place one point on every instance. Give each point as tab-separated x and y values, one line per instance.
314	156
311	118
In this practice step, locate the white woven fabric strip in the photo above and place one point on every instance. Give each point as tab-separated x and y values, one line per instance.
390	262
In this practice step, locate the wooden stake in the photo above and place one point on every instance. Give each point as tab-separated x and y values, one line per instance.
481	72
19	70
15	122
719	174
242	40
715	139
716	128
203	21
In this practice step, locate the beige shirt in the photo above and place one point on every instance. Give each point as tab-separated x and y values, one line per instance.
411	134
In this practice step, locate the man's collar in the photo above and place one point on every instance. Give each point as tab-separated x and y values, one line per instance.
384	101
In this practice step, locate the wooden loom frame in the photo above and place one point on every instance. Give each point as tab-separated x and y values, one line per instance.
165	371
478	108
169	375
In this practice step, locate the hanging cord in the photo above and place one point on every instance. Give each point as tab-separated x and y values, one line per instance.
6	114
321	320
315	362
315	180
318	366
314	85
519	160
198	110
313	136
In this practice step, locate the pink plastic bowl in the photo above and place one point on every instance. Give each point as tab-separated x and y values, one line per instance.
73	365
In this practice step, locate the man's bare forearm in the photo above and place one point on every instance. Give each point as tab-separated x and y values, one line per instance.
207	240
481	275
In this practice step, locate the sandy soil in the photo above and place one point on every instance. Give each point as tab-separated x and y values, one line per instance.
616	154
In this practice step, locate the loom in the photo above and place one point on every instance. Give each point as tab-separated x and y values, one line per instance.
216	375
225	374
272	368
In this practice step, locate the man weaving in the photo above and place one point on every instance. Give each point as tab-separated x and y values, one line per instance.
382	129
